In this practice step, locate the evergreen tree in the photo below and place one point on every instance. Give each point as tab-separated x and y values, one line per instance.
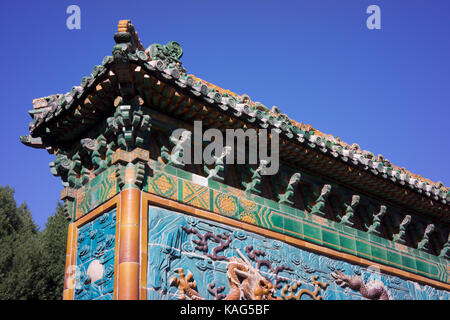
9	225
31	262
19	249
54	240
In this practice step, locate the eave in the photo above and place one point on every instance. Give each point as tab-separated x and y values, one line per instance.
61	120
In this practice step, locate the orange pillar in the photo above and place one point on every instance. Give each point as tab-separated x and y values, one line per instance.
128	276
69	274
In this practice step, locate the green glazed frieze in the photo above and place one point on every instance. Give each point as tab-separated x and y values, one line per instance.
210	195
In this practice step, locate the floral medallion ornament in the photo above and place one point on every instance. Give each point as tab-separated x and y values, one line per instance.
247	217
247	206
226	204
161	184
248	209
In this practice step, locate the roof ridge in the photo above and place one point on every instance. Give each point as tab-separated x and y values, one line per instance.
337	140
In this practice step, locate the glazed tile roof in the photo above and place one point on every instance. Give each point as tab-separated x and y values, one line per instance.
163	61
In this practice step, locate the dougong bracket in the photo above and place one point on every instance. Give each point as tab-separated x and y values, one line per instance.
400	237
424	244
130	124
287	197
180	151
254	185
375	228
348	218
319	207
445	252
217	173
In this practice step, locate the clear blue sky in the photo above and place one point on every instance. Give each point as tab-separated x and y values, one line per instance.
387	90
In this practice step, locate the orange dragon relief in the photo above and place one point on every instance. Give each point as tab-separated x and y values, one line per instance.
246	283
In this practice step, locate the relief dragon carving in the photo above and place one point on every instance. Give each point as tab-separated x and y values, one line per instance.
186	285
297	296
245	283
373	290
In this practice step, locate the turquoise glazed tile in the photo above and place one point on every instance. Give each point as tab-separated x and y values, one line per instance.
409	263
257	219
91	237
349	231
214	184
362	234
437	259
381	241
307	217
180	190
431	257
422	266
363	249
299	213
394	257
184	174
384	242
433	269
276	220
330	238
293	227
379	253
312	233
259	200
374	238
428	256
287	209
347	244
272	204
391	244
170	170
422	254
337	226
211	200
